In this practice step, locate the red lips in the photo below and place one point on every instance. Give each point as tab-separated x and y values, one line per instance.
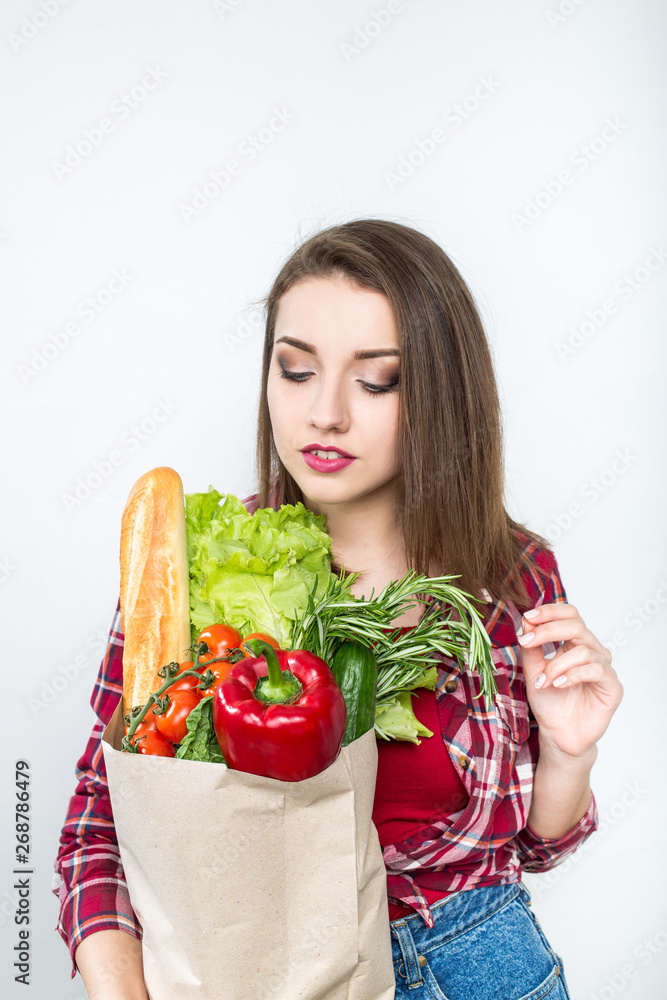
327	447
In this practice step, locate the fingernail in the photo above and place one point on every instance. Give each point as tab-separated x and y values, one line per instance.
560	680
532	614
526	638
540	680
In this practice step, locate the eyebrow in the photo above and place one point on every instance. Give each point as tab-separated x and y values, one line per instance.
358	355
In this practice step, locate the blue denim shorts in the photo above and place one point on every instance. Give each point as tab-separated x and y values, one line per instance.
486	944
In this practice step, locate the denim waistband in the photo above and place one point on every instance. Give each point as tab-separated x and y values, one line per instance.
485	943
453	915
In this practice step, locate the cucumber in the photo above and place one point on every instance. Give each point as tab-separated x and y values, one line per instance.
355	668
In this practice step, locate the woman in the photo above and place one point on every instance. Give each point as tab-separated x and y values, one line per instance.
379	409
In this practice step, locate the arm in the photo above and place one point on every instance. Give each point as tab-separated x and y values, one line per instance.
111	966
90	883
540	848
570	715
561	791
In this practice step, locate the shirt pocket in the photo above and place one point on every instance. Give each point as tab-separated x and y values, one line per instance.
513	720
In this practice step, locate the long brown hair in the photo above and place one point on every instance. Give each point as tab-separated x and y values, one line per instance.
449	500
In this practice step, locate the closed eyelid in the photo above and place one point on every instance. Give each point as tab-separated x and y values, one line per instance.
372	389
289	365
390	372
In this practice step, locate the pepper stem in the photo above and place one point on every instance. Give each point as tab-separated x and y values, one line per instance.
279	687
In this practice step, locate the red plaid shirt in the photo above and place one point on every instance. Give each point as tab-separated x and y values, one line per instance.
494	753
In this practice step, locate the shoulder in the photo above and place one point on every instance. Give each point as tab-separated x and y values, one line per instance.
251	503
538	568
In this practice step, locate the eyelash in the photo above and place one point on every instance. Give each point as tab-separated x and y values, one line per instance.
372	390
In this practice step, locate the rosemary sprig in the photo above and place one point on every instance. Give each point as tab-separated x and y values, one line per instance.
450	625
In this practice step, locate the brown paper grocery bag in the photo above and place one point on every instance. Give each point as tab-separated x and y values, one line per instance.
249	888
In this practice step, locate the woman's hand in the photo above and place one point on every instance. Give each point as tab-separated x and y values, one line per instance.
578	690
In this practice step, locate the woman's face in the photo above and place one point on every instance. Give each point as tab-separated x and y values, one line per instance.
322	394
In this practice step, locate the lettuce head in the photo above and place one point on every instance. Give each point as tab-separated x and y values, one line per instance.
253	571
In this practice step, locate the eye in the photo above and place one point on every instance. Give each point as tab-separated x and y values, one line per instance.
372	390
294	376
379	390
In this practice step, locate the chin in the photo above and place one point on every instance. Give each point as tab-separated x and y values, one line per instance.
339	493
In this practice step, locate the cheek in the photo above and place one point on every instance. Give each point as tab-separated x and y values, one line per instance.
282	411
380	421
274	403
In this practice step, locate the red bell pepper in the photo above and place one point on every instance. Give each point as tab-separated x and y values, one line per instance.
280	714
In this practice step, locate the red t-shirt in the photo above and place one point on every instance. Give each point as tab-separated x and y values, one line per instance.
416	785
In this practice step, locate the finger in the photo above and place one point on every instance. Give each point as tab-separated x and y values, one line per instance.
532	661
572	629
575	666
586	674
545	612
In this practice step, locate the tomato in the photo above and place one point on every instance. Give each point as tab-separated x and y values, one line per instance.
148	722
258	635
219	671
218	638
185	683
172	723
154	743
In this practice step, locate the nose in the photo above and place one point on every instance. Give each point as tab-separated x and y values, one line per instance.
329	410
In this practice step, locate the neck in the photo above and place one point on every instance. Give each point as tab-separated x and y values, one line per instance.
365	536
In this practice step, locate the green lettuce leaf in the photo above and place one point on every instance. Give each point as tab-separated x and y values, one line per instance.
253	571
427	679
394	716
201	743
395	719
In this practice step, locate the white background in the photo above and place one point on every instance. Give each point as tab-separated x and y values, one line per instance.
361	98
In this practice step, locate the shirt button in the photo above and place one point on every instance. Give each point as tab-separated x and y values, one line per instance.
451	685
422	960
463	761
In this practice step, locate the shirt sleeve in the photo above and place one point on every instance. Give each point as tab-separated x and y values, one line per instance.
540	854
89	880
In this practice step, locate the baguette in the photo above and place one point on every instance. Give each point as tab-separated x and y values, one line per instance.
154	583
